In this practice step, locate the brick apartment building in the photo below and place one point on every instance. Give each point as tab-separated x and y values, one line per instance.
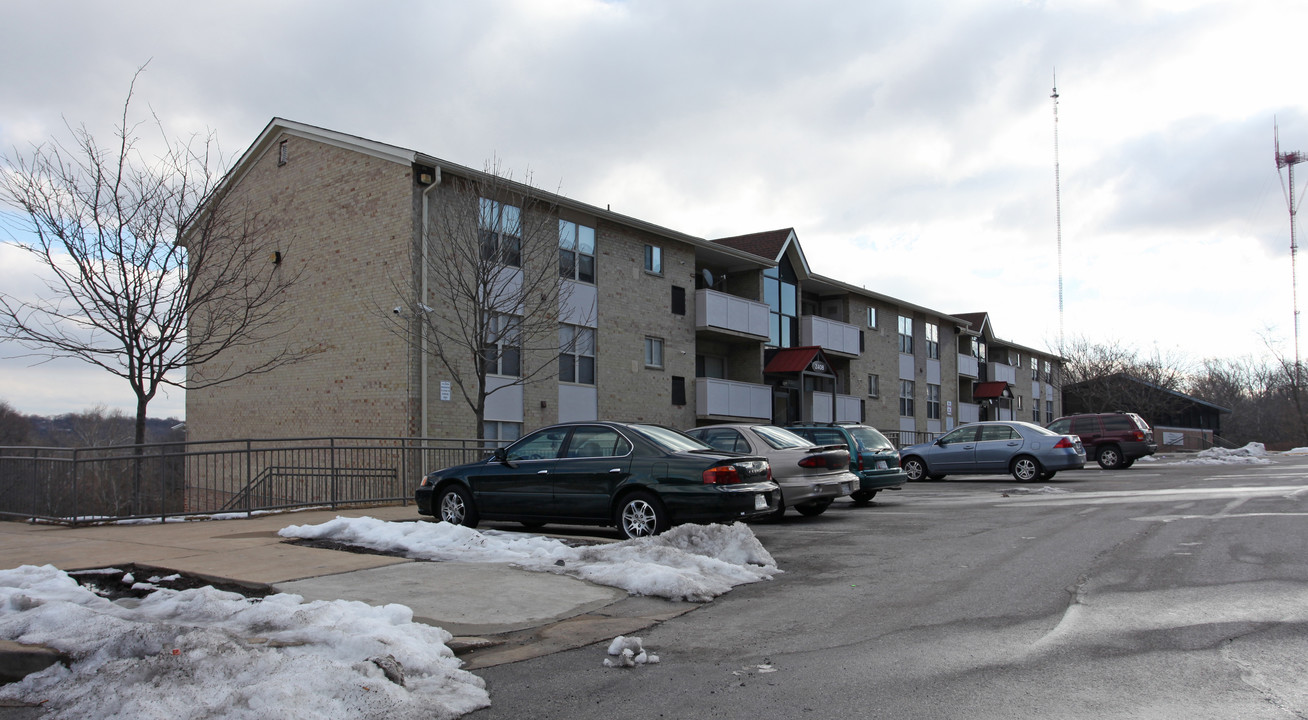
680	330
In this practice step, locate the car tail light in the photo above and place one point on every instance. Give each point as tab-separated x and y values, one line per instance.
1064	443
724	475
813	461
1138	435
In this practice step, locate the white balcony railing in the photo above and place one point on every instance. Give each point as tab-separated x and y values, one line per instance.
849	408
830	335
968	413
729	398
968	366
1001	372
721	311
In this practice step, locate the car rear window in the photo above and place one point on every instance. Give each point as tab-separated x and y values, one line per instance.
781	439
1085	426
670	440
870	439
1118	422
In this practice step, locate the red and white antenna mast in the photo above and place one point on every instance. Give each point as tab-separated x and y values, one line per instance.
1288	160
1058	217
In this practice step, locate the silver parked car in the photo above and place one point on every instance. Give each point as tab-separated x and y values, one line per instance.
1028	451
811	476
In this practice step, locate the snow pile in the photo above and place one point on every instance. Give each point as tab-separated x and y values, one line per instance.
1252	454
688	562
630	652
205	653
1046	490
1296	451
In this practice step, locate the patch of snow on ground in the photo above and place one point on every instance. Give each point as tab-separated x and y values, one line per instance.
1252	454
205	653
688	562
630	652
1046	490
1296	451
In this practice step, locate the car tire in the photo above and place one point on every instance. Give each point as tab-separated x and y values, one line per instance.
862	497
454	506
1026	468
914	469
532	524
1109	457
1048	475
1128	463
779	513
813	509
935	476
640	514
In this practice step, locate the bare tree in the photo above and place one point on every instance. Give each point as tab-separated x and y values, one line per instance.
14	427
489	298
1107	377
141	251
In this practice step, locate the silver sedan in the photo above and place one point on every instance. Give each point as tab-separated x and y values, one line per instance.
811	476
1028	451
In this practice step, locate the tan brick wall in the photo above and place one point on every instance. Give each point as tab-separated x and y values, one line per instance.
348	226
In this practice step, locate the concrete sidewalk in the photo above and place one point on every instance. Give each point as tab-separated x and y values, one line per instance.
498	613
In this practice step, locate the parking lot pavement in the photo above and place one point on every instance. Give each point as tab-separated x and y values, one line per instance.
498	613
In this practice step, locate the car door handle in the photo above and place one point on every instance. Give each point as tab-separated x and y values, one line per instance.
1014	443
616	470
542	472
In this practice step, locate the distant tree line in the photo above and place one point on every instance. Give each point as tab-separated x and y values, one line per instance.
1264	395
97	427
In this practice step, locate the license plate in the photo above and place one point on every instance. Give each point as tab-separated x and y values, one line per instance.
760	502
881	465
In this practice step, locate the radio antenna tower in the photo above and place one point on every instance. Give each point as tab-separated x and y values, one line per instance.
1058	216
1288	160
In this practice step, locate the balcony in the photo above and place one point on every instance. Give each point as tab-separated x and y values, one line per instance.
732	399
730	315
828	407
968	413
968	367
830	335
1001	372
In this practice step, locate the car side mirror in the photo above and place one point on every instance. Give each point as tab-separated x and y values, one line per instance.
501	456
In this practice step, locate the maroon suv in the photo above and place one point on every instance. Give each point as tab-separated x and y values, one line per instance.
1115	440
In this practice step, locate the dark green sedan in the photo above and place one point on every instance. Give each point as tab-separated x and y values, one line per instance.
639	478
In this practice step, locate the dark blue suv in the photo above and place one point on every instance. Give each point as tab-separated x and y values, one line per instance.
872	457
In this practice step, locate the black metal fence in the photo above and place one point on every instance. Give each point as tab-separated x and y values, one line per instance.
87	485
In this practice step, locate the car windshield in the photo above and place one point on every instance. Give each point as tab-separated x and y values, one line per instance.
780	438
669	439
870	438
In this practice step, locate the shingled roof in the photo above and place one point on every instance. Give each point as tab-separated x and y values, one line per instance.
767	244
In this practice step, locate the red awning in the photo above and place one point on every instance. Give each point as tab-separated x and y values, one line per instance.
790	360
986	390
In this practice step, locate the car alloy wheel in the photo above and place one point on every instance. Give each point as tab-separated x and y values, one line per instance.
914	469
1110	458
454	506
641	515
1026	469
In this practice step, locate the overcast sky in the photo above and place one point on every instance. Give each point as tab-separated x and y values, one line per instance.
910	145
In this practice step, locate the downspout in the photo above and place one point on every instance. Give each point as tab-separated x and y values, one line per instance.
422	302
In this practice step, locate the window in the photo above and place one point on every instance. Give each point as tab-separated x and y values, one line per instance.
654	259
979	349
501	352
576	354
728	439
1049	410
996	432
283	153
1035	414
540	445
1014	359
906	335
678	300
933	402
711	366
873	386
1047	373
781	294
588	441
499	434
678	390
1035	369
576	252
872	317
906	398
932	341
500	228
653	352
